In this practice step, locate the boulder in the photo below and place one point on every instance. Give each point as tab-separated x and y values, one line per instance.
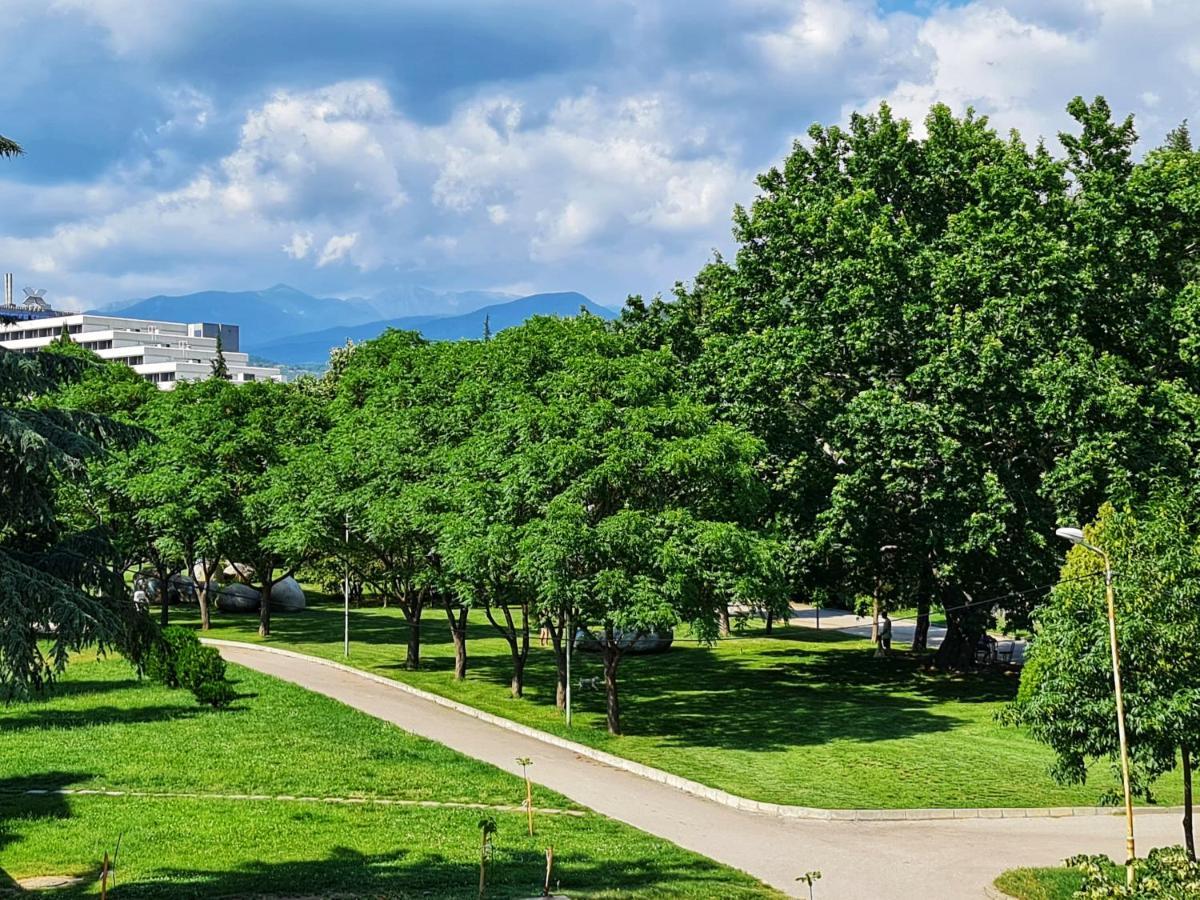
199	575
287	595
656	640
182	590
234	598
240	572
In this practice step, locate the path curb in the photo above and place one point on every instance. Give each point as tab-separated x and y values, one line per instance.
687	786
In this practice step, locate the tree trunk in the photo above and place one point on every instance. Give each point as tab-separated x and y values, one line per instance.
518	676
517	639
723	618
202	599
1188	839
964	626
612	661
412	655
457	616
264	608
770	620
164	581
558	639
920	640
875	620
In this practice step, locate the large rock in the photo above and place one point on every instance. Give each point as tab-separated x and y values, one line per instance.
200	576
182	590
287	595
652	641
234	598
240	572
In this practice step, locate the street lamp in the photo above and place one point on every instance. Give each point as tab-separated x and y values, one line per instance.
1075	536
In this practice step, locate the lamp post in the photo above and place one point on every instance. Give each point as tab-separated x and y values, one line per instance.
346	594
1075	536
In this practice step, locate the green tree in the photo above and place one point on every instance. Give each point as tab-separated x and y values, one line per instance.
945	343
9	148
220	369
59	588
1066	695
627	472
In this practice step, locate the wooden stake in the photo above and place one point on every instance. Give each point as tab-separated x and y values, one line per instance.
104	878
549	870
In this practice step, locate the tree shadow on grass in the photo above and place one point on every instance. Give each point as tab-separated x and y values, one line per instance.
37	719
16	802
796	688
512	873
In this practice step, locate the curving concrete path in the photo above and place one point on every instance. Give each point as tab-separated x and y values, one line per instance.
943	859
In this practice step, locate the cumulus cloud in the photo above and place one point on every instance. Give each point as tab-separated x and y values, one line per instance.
609	172
336	248
299	245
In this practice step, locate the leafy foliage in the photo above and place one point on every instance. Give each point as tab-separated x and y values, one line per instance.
947	344
1167	873
58	589
178	659
1066	695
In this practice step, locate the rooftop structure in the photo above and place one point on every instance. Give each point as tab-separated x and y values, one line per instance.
162	352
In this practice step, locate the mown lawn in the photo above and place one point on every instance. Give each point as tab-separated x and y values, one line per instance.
102	729
1040	884
805	717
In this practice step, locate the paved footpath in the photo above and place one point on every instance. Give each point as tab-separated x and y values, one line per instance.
902	629
921	860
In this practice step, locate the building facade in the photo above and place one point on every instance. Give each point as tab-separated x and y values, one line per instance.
162	352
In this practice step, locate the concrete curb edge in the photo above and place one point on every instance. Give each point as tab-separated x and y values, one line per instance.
687	786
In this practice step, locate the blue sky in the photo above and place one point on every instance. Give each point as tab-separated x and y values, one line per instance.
519	145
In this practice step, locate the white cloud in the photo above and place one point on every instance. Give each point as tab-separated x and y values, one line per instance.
618	176
1021	61
299	245
336	248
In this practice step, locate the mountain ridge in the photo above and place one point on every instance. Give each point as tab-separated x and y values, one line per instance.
267	315
312	348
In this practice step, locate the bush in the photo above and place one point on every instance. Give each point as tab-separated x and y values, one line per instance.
1166	874
178	660
202	671
162	659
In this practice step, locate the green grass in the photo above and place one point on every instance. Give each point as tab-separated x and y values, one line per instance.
104	729
1040	884
805	717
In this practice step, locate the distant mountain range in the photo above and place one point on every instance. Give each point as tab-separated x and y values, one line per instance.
313	347
286	325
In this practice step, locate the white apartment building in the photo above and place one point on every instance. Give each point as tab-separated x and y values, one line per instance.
162	352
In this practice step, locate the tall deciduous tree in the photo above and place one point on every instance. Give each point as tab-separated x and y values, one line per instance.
948	342
627	472
1066	696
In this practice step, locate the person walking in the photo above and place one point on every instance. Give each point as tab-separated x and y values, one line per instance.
885	635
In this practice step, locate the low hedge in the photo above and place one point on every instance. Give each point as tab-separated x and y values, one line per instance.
179	660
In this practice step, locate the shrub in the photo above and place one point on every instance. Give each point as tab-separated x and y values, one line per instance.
202	671
1166	874
162	659
178	660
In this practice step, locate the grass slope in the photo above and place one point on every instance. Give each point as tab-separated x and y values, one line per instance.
805	717
103	729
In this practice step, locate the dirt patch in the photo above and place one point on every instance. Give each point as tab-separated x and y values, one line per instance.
49	882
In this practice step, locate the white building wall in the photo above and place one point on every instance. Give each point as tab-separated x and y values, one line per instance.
161	352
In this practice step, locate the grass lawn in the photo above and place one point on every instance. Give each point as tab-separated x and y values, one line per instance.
104	729
805	717
1040	884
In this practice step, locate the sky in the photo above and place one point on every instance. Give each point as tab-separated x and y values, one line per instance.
516	145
